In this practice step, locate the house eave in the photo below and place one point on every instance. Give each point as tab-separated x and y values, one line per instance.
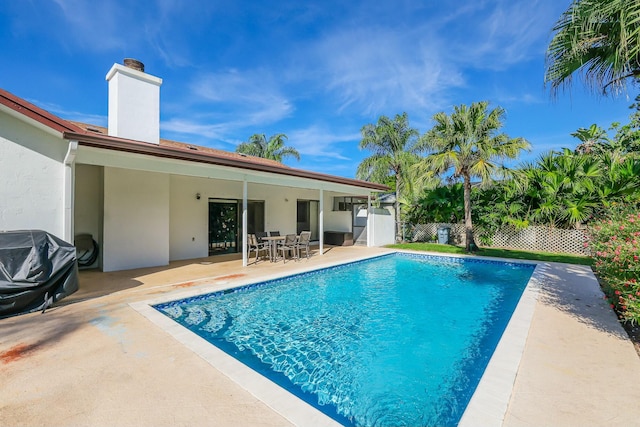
137	147
20	108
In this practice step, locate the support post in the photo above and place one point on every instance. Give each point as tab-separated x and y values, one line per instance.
245	247
370	222
321	231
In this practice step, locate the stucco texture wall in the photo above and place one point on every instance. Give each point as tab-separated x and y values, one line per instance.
136	219
31	177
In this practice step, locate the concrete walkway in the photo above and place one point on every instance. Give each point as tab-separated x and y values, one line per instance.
94	361
579	367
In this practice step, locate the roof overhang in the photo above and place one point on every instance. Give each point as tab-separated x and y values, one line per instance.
260	170
42	119
122	145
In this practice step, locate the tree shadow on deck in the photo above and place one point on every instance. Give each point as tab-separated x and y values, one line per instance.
574	290
26	334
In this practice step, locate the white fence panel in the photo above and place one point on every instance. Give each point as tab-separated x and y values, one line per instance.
535	238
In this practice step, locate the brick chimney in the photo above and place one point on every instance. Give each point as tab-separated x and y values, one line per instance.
134	102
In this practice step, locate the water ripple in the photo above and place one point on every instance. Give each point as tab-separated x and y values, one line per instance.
400	341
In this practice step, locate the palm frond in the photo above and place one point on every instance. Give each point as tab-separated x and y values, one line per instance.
597	40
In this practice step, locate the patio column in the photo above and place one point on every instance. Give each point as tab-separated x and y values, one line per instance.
244	245
370	221
321	231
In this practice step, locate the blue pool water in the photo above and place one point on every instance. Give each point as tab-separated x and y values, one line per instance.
398	340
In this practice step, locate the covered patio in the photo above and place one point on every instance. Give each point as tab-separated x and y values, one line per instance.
146	205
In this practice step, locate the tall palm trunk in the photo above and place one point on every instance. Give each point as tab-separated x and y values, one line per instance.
468	226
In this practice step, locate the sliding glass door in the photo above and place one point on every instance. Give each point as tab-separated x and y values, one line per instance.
225	224
308	216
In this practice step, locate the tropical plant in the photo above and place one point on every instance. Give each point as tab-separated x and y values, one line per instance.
392	142
565	189
441	204
627	137
598	38
614	242
559	189
620	181
416	183
496	206
592	139
468	142
274	148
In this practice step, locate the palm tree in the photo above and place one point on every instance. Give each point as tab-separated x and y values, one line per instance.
468	142
392	142
620	180
273	149
592	139
560	189
570	180
600	39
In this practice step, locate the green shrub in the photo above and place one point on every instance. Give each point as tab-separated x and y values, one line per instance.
615	245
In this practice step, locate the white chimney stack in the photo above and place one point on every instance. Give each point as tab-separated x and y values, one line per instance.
134	102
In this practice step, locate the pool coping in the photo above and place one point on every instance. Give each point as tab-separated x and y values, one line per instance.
490	401
487	406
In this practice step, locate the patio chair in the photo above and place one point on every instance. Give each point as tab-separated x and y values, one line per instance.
254	246
289	245
264	244
274	233
303	243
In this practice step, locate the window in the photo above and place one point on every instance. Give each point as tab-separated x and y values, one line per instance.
346	203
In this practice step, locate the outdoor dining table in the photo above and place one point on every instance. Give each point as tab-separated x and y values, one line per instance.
273	242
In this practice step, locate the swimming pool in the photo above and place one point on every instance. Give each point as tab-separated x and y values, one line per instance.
396	340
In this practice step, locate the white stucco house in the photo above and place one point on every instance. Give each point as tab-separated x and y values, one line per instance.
147	201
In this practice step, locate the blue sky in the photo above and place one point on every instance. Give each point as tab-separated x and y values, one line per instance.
315	70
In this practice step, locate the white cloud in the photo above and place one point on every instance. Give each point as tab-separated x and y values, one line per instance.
150	29
97	26
504	97
505	33
377	70
188	127
250	95
75	116
318	141
222	106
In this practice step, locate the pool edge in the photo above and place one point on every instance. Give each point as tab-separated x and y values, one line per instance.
283	402
490	401
487	407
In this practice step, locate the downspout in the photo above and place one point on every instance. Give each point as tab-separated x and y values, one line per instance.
69	189
244	245
321	231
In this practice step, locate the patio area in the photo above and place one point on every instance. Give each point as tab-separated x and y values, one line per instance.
93	360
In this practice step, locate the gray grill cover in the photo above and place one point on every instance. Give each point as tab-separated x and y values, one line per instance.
34	264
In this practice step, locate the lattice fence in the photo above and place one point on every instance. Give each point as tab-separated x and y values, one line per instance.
537	238
429	233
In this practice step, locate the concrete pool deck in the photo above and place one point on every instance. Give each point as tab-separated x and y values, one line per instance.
93	360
